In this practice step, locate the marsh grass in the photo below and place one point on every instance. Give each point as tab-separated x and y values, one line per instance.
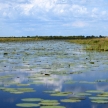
99	44
19	39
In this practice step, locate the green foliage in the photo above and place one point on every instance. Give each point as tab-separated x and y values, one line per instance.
98	44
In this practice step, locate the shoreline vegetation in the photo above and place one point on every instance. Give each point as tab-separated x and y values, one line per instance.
98	43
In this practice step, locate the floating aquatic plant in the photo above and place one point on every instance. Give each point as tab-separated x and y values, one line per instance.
31	99
27	105
70	100
52	107
52	91
83	94
23	84
98	98
95	91
100	101
49	103
61	94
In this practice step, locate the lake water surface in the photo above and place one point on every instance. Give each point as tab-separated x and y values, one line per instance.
52	70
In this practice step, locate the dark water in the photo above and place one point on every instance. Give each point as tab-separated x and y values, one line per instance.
51	65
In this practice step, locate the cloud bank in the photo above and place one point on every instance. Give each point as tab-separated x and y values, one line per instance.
53	17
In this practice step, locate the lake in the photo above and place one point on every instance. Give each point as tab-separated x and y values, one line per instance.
52	74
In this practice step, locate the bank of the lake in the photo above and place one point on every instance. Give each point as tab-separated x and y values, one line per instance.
99	44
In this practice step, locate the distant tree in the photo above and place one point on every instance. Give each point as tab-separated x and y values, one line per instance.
28	36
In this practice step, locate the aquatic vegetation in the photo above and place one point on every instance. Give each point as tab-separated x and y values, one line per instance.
70	100
49	103
61	94
102	80
83	94
51	73
104	94
23	84
52	107
93	44
100	101
26	89
32	99
70	82
17	90
27	105
94	91
98	98
87	82
52	91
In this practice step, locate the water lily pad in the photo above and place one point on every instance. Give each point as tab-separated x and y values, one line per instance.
52	91
16	92
32	99
83	94
52	107
49	102
23	84
61	94
98	98
95	91
100	101
27	105
26	89
70	100
87	82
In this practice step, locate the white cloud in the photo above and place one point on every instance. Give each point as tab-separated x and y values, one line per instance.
94	10
103	12
79	24
43	12
26	8
79	9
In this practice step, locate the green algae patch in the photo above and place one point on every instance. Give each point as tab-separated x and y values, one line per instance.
27	105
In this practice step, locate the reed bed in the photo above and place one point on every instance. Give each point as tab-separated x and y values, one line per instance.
12	39
99	44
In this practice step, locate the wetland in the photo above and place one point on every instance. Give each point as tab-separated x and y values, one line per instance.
52	74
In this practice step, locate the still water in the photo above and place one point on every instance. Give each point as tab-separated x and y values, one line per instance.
52	70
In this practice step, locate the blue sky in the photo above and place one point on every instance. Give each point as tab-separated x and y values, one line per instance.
53	17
